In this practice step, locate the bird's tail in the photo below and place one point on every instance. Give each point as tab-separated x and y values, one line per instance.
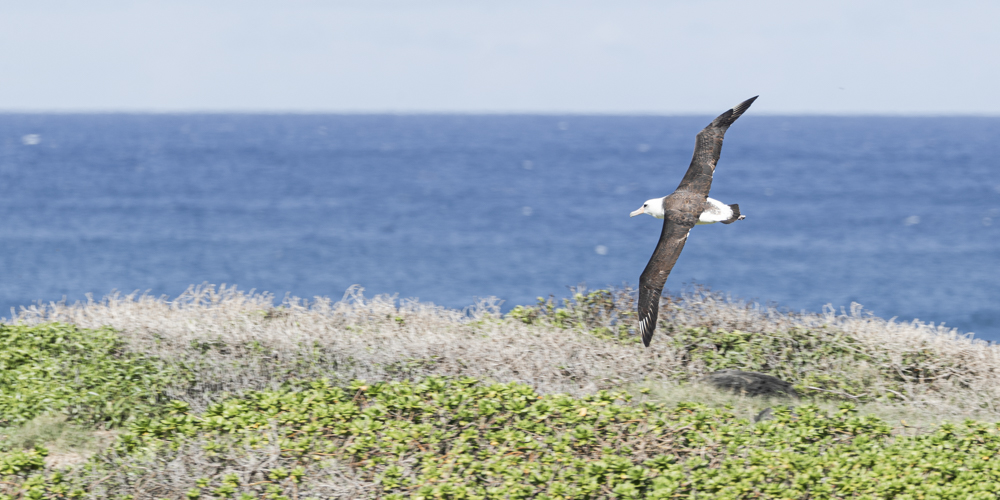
736	214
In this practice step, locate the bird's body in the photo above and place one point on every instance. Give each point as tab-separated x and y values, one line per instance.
715	211
687	206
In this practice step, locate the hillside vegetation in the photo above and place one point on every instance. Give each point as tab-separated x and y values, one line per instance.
218	394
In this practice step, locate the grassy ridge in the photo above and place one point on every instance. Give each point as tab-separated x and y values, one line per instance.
232	342
443	415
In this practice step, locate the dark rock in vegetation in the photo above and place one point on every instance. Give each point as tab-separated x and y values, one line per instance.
750	383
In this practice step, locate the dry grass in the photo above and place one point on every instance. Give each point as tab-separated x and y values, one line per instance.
172	472
236	341
64	439
68	444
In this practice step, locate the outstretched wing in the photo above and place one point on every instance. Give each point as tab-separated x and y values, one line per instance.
676	226
707	148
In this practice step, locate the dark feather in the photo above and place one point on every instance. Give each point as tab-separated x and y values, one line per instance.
735	207
707	148
676	226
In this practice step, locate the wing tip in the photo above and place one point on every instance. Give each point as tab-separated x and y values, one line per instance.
743	106
646	331
726	119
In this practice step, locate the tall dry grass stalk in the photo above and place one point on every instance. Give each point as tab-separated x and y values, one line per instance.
235	341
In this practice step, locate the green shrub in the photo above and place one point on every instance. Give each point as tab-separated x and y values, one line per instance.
84	374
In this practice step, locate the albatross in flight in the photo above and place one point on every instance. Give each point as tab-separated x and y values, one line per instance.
687	206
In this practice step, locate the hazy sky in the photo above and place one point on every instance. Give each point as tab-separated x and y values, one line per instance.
621	56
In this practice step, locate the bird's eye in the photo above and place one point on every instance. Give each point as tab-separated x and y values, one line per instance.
643	205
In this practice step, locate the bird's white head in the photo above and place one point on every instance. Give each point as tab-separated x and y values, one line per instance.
652	207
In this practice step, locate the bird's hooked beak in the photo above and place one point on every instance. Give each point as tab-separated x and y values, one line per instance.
641	211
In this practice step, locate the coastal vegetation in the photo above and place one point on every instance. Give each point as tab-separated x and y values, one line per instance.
221	394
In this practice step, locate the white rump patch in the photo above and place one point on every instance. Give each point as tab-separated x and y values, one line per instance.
716	211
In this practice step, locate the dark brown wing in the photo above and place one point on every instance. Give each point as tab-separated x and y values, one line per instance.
676	226
707	148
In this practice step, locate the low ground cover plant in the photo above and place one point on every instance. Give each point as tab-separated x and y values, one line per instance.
463	439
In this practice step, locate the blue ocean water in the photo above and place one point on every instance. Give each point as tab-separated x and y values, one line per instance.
899	214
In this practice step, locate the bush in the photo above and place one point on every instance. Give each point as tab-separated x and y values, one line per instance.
85	374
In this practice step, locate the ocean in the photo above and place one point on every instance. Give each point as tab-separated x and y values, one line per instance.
899	214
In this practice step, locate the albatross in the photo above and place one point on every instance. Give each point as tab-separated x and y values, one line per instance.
687	206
